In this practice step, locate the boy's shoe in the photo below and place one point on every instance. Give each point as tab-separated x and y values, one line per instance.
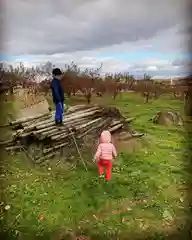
60	122
56	122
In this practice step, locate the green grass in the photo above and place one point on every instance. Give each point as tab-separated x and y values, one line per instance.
146	192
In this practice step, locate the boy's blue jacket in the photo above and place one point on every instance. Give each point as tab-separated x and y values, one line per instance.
57	91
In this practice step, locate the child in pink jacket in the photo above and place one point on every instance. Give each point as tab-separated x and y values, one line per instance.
105	154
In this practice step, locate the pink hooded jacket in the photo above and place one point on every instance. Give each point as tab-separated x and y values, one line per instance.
106	150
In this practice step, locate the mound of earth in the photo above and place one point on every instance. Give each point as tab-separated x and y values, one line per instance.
127	141
168	118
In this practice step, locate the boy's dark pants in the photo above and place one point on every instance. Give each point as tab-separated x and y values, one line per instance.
59	112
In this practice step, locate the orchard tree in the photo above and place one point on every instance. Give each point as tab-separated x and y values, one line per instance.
88	80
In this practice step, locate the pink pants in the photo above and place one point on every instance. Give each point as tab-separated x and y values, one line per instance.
107	165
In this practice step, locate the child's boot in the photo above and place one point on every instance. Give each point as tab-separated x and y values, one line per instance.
102	175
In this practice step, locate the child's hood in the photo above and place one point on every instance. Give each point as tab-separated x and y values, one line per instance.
105	137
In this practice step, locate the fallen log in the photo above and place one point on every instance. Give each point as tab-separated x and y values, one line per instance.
75	108
100	127
23	120
54	148
128	120
115	128
36	121
48	156
12	148
60	136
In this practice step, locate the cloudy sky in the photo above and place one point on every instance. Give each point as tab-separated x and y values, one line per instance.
140	36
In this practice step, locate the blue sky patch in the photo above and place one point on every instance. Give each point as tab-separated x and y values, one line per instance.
6	57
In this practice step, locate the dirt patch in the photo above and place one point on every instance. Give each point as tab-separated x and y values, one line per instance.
124	142
26	98
29	104
34	110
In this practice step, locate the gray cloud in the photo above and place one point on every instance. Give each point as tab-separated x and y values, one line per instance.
187	62
185	65
49	27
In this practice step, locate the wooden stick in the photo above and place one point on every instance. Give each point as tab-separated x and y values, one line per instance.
78	150
90	123
43	130
55	147
4	143
28	154
114	123
12	148
102	124
116	127
48	156
137	134
128	120
51	136
78	108
60	136
35	121
23	120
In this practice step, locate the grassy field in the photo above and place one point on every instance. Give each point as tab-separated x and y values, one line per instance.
147	192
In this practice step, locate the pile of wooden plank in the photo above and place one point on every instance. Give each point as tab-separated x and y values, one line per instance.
47	139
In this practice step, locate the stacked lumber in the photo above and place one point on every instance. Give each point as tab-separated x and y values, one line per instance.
40	132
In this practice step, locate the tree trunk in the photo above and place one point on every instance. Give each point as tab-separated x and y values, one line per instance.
68	94
11	90
115	95
88	97
146	96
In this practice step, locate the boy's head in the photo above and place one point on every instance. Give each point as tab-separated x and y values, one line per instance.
57	73
105	137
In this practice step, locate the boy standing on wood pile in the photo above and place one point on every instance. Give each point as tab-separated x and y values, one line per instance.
58	95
